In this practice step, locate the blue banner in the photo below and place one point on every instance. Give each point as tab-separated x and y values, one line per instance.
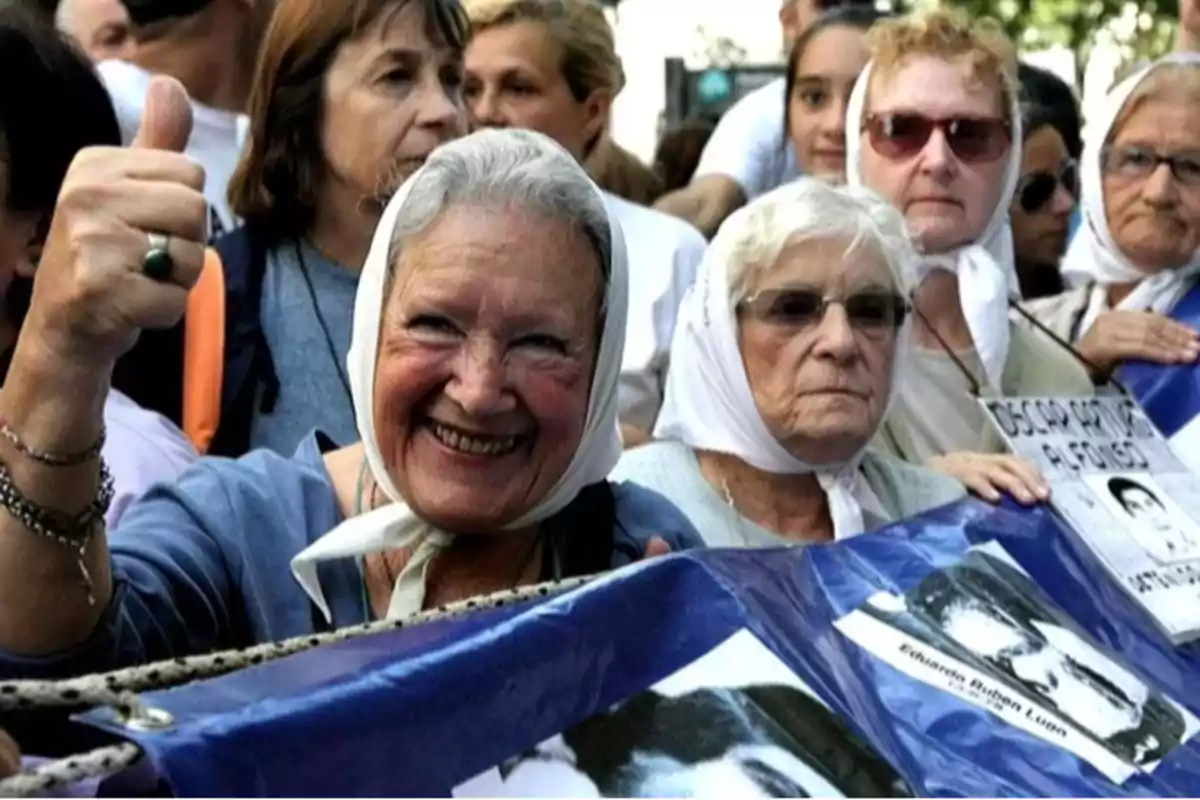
1170	394
973	651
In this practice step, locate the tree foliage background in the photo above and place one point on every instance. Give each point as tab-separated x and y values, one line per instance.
1143	29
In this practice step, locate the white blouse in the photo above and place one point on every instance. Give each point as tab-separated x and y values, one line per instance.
664	253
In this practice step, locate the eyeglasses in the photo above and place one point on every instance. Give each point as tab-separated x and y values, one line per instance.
1036	189
1141	162
973	140
869	311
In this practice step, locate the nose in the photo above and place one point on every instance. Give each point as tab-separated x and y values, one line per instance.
833	122
1061	203
834	336
441	105
936	156
479	384
1159	188
485	108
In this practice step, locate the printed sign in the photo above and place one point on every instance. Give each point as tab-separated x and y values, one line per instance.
1123	491
983	631
736	722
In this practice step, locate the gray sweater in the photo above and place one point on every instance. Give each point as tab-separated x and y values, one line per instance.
671	469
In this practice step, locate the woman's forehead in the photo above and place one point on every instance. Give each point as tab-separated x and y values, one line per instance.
505	245
935	87
829	263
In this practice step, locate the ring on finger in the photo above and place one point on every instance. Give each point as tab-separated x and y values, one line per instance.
157	264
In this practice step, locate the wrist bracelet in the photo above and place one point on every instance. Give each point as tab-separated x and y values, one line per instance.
69	530
50	459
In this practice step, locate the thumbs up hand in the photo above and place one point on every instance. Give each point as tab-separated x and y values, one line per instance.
92	294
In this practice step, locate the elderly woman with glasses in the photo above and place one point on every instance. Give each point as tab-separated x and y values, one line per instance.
487	336
932	123
784	364
1138	251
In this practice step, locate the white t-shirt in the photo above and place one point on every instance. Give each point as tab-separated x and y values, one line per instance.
216	141
664	254
750	144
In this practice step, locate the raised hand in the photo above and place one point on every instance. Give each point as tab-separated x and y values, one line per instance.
92	294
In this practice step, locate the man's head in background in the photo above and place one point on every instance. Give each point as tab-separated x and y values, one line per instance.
796	15
100	27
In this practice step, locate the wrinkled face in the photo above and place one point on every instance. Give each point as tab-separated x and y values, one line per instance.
946	201
391	97
821	386
1154	217
1041	217
824	78
514	79
101	27
486	355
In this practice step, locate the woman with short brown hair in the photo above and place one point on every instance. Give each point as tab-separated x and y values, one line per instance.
349	99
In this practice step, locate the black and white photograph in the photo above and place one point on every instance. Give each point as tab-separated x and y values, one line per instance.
734	723
1147	513
989	615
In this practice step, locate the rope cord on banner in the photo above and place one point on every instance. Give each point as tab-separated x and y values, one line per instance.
118	689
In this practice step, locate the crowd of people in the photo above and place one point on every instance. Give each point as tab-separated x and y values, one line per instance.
319	312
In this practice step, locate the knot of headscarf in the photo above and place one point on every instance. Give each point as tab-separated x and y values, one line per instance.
708	404
395	525
986	268
1093	255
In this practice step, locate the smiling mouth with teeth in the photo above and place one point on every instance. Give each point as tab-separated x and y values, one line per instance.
473	444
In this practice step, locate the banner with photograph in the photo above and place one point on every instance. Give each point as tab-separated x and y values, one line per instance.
974	651
1170	393
1119	485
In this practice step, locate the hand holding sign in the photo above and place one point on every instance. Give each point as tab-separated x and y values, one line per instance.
120	209
988	476
1120	336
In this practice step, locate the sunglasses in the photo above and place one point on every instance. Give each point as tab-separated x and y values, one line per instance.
1036	189
869	311
973	140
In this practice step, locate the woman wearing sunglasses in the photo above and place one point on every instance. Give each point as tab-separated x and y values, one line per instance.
1045	198
1138	250
932	122
783	365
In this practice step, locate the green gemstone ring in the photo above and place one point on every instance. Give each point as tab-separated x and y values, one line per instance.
157	264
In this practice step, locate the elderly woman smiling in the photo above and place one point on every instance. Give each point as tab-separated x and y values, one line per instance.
486	349
783	367
1139	249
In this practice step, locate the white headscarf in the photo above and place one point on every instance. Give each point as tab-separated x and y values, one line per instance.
1093	255
986	268
395	525
708	403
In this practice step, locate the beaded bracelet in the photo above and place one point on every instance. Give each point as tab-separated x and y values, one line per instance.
69	530
50	459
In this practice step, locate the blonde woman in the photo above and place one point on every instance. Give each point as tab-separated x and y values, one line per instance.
931	127
552	66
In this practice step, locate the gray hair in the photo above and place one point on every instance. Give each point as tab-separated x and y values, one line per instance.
751	240
495	167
